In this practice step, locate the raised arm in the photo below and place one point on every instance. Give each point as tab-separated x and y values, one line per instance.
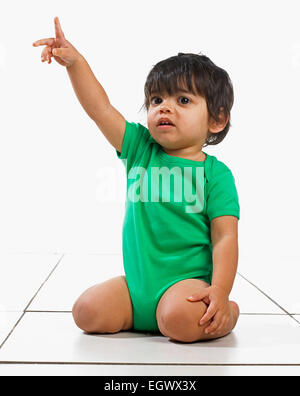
88	90
95	102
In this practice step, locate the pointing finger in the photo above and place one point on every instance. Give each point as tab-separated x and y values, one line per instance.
58	30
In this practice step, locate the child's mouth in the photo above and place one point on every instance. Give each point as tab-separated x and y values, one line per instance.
166	126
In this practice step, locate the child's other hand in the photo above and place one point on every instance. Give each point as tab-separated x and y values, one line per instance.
66	54
218	308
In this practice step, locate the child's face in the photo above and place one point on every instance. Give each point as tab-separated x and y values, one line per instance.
187	112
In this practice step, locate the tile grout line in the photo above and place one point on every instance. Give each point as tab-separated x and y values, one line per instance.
70	253
47	311
273	301
24	311
12	362
241	313
15	325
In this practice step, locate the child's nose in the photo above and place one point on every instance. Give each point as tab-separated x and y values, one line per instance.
166	106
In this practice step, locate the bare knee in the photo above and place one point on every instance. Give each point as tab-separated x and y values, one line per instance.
84	315
91	319
181	324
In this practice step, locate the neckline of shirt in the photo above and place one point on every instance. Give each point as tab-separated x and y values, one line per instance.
179	160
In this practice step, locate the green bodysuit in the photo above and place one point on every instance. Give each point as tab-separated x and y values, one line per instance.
170	202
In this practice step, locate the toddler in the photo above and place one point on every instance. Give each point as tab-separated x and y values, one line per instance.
180	231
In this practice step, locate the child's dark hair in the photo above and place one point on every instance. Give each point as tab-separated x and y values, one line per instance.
194	72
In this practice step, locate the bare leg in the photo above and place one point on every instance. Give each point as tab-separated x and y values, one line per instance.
104	308
178	319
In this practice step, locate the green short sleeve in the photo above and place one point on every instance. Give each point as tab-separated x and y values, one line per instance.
136	138
222	196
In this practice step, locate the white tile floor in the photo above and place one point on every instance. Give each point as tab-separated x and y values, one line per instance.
38	335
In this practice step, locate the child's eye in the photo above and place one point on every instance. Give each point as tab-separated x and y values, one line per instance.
184	97
154	97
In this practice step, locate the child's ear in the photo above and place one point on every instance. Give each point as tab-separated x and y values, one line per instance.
218	126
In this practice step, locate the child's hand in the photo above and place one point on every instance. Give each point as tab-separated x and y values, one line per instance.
218	309
66	54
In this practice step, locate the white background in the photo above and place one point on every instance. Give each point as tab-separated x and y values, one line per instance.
53	156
